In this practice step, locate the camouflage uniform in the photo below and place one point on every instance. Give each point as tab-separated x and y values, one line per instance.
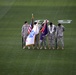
51	36
24	33
59	31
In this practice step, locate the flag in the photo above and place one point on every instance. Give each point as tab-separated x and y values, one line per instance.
31	25
31	37
44	30
29	29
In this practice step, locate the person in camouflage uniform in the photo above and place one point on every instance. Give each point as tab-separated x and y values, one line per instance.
60	39
51	35
24	33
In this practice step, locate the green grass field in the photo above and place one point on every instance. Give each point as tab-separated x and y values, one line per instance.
16	61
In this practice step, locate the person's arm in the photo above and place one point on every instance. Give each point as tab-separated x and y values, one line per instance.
63	29
55	29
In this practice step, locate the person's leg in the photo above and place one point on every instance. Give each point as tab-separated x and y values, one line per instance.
44	40
53	42
41	44
49	41
37	41
23	42
58	40
62	43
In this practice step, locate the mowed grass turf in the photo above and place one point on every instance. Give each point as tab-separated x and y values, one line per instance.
16	61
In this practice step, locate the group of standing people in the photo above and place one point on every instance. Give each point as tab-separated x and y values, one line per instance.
52	37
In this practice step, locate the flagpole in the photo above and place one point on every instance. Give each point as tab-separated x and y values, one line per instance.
32	26
32	20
